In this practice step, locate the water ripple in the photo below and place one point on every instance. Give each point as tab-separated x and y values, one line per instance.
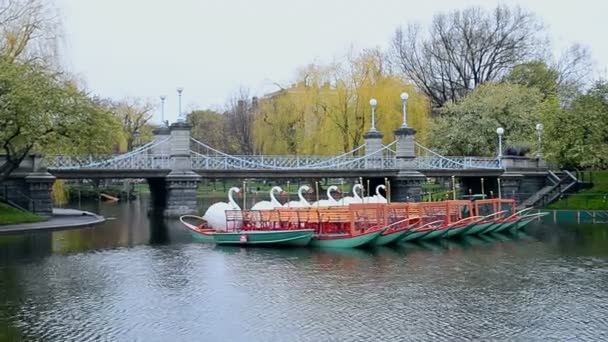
517	288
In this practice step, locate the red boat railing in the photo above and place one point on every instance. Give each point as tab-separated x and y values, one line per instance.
357	218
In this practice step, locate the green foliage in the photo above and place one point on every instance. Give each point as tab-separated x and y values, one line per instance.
210	127
10	215
469	127
577	137
594	198
535	75
328	110
41	110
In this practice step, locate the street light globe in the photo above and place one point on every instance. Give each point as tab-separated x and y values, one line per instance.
539	127
373	102
404	96
180	89
500	131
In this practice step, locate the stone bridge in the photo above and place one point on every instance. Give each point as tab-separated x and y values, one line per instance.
174	164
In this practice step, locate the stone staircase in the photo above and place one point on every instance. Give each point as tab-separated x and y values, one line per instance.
563	182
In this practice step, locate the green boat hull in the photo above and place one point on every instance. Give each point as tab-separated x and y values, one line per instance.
505	226
480	227
346	242
390	238
198	237
435	234
293	238
491	228
416	235
521	224
454	232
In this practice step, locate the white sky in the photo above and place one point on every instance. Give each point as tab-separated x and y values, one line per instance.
145	48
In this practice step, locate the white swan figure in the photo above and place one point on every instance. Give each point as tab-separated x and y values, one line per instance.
273	203
378	198
330	201
216	214
355	198
302	201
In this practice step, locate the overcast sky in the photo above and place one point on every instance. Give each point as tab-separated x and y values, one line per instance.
145	48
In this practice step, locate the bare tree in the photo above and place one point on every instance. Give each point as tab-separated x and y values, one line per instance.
466	48
29	30
573	67
239	120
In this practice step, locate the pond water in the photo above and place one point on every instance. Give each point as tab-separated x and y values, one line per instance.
139	278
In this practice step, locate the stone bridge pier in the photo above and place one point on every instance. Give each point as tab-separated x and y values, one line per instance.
29	186
180	185
407	185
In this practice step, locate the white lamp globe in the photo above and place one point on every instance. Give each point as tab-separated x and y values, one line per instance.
500	131
373	102
404	96
539	127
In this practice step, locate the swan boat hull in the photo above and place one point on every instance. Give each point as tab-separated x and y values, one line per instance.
390	237
291	238
436	234
479	228
203	235
456	231
415	235
344	240
526	220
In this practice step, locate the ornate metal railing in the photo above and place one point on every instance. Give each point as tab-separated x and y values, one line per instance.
146	157
140	158
200	161
108	162
429	159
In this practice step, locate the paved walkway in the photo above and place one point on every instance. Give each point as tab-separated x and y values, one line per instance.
62	218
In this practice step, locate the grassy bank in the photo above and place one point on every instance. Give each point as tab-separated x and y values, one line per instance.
10	215
593	198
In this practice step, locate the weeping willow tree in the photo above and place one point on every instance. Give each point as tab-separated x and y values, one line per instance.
327	110
59	193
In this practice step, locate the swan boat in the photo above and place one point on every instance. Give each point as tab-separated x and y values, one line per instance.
363	224
240	237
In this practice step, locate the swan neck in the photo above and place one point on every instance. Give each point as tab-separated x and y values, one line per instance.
231	200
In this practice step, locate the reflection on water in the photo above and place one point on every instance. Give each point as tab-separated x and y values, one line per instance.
140	277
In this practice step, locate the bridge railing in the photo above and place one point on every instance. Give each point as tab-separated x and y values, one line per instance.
429	159
249	162
457	163
111	162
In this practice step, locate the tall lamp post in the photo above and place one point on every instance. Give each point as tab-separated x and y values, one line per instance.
180	117
404	97
162	110
539	130
373	104
500	131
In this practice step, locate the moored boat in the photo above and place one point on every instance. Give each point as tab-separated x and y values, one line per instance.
484	224
395	232
241	237
200	233
293	238
345	240
527	219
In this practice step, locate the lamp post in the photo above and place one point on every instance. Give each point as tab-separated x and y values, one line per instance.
180	117
373	104
404	97
500	131
162	110
499	189
539	130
